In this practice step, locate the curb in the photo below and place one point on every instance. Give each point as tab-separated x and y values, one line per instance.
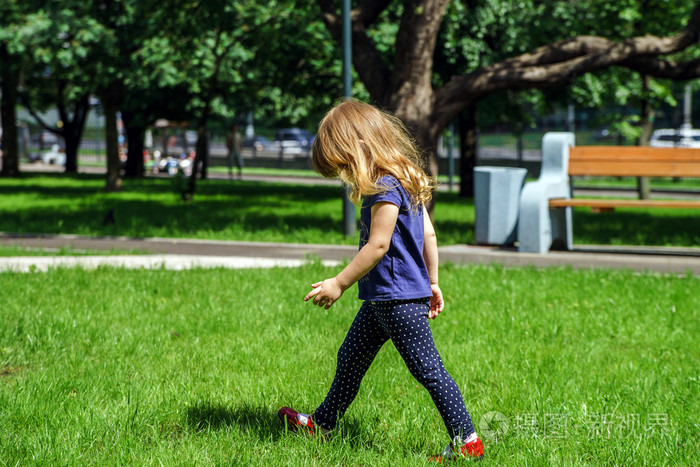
666	260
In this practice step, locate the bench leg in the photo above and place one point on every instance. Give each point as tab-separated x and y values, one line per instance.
534	225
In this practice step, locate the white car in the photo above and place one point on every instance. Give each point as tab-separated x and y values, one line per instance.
675	138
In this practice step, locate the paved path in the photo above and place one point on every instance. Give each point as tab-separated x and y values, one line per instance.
184	253
173	262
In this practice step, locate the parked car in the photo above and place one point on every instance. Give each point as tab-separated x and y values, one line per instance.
669	138
44	138
258	142
602	134
294	140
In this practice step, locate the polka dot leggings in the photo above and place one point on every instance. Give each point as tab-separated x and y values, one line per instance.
405	322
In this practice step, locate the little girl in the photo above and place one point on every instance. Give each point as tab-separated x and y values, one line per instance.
396	269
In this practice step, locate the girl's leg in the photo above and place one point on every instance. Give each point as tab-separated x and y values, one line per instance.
407	325
361	344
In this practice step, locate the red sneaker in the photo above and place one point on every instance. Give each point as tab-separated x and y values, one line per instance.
297	421
473	450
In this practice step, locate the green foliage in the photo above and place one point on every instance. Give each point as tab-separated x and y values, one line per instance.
272	58
298	74
476	34
176	55
619	86
19	30
62	58
214	60
190	367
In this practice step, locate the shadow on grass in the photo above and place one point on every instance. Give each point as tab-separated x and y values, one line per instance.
257	420
151	207
144	218
246	210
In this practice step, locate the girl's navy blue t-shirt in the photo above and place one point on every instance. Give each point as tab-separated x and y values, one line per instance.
401	273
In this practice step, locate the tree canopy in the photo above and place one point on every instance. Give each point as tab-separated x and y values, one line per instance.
429	61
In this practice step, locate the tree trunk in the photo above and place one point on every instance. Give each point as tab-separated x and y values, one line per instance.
429	145
134	137
426	138
201	154
647	125
72	146
72	132
73	125
110	100
468	141
202	147
201	162
9	82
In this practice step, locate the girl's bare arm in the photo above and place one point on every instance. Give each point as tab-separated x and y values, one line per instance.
430	250
384	216
430	256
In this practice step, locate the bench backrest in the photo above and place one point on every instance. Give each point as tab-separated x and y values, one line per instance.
634	161
555	155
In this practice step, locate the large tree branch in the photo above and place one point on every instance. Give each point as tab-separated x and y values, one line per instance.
24	100
61	106
660	68
561	62
368	62
584	45
80	109
557	52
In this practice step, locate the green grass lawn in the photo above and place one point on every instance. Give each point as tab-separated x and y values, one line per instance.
652	227
154	367
221	210
274	212
630	183
533	139
663	183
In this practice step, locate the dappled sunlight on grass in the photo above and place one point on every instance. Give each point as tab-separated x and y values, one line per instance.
273	212
221	209
152	207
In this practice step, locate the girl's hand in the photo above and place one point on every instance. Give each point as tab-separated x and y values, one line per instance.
325	293
437	304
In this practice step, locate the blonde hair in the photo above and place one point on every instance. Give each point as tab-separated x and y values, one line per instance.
360	144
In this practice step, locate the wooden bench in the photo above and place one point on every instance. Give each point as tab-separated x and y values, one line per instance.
545	210
631	161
